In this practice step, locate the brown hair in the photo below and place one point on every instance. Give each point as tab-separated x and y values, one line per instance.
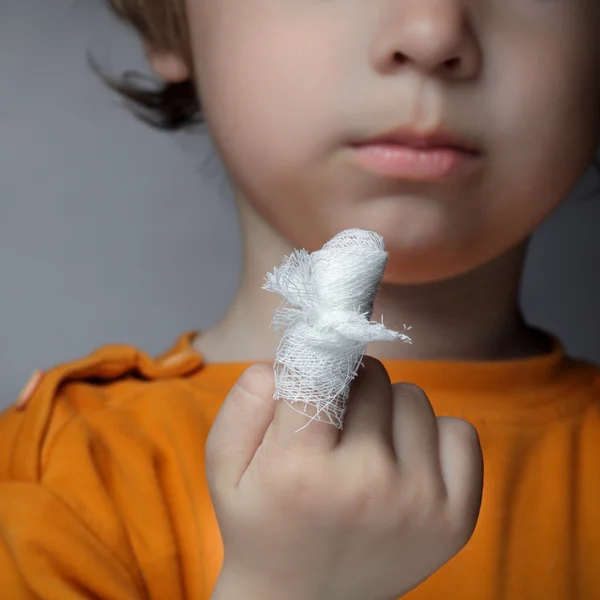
163	25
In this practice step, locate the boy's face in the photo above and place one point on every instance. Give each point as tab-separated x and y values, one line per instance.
290	86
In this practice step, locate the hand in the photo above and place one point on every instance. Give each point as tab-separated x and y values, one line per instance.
360	514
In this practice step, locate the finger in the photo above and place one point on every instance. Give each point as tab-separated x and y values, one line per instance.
369	415
415	430
461	464
240	426
302	428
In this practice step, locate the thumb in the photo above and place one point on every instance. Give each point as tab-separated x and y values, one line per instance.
240	426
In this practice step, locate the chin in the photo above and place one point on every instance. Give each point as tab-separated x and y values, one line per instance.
412	266
401	273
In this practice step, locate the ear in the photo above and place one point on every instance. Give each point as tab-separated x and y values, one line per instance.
167	65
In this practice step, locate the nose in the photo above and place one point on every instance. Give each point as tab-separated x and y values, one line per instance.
432	36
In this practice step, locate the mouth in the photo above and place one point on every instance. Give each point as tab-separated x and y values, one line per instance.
414	156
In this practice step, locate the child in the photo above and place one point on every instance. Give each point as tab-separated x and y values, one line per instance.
450	127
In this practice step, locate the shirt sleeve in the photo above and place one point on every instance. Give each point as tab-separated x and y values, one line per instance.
95	502
47	552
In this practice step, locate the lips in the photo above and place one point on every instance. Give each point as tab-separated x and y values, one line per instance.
410	155
421	140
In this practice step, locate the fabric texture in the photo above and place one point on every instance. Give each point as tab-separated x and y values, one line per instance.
103	491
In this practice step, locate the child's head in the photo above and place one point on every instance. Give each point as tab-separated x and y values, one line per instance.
288	86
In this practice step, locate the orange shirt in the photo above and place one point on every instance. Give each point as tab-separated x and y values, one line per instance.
103	494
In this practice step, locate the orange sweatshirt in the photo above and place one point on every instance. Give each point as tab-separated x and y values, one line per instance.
103	493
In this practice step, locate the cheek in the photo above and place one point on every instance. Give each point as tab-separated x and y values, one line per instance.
271	95
277	85
264	114
268	89
545	119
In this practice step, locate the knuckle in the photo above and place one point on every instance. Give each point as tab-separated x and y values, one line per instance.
410	390
411	395
255	382
464	440
374	366
468	442
373	371
464	431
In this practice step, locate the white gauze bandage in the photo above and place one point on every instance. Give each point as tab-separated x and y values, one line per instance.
325	316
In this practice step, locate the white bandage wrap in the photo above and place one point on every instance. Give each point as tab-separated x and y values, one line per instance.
325	315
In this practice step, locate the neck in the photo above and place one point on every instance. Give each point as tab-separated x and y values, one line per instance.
472	317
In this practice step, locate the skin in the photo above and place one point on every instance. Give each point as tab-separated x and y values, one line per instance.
288	84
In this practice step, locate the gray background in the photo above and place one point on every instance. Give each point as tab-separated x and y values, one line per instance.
113	232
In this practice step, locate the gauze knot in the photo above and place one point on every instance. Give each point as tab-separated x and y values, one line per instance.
327	303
